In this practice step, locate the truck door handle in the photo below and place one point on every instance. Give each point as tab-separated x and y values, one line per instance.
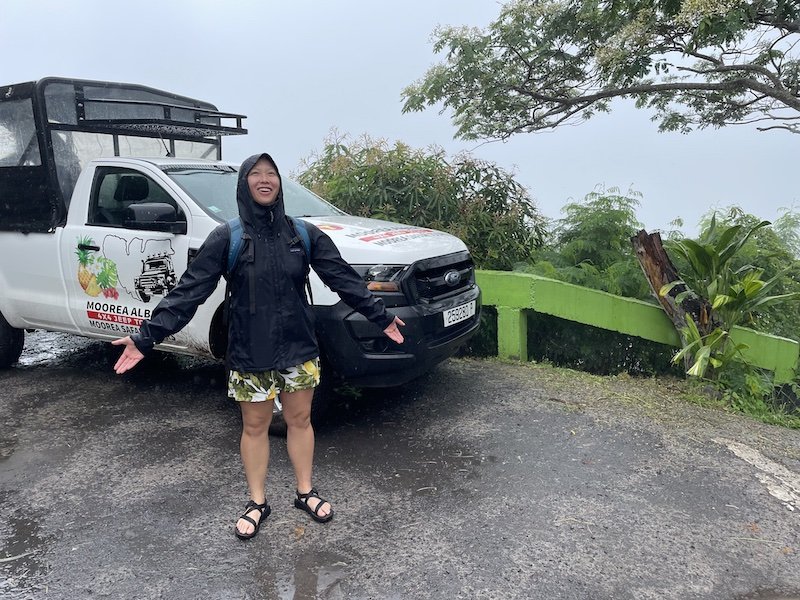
87	247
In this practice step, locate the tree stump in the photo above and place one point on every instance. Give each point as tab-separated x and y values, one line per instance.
659	271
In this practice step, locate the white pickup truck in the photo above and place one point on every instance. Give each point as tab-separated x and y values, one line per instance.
93	234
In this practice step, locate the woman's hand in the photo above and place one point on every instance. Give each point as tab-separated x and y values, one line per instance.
130	355
394	332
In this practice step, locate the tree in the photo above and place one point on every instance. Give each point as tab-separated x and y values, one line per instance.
545	63
590	246
473	199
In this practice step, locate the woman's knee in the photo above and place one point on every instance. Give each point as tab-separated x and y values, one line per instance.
297	408
300	419
255	422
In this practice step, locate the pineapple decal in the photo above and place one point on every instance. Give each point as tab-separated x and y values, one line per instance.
86	277
96	274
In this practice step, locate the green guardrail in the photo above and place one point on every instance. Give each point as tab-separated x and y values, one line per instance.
516	294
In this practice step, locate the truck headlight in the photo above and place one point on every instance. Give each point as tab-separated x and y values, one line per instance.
383	278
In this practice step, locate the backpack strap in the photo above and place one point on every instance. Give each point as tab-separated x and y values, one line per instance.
235	247
302	232
235	229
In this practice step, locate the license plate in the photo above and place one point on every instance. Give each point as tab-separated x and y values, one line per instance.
459	313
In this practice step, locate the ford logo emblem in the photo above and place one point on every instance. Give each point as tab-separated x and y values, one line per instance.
452	278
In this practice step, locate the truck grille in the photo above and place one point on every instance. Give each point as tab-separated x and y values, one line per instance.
430	278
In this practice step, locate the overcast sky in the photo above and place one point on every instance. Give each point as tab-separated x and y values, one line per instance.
299	69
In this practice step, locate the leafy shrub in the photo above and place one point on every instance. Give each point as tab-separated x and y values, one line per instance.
473	199
591	245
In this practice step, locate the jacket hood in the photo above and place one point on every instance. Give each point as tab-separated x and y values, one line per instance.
251	212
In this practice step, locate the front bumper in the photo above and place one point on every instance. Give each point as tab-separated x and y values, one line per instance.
362	354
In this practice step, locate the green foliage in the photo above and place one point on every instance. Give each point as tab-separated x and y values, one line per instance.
753	392
787	229
736	295
591	245
772	249
545	63
473	199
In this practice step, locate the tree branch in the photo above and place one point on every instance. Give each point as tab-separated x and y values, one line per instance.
789	128
732	85
771	21
735	68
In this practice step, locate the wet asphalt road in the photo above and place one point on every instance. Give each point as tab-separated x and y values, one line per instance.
481	480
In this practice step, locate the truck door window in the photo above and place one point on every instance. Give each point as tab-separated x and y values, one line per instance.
115	189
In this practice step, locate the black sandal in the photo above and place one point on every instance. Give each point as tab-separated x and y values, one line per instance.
302	503
250	507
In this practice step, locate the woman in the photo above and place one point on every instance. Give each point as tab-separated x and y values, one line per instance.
272	348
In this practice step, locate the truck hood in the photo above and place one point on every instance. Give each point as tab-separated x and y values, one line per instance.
363	241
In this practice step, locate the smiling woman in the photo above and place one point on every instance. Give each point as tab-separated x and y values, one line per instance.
264	182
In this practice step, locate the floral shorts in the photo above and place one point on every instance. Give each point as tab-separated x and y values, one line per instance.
266	385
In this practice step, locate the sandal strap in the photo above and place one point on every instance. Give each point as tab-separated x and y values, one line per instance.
251	505
249	520
312	493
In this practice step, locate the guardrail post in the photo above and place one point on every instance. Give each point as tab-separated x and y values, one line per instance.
512	333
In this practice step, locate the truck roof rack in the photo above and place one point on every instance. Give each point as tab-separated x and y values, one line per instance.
88	105
200	128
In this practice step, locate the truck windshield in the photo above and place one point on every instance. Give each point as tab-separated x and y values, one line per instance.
214	189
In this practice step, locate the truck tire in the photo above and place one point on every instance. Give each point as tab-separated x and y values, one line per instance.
11	342
321	403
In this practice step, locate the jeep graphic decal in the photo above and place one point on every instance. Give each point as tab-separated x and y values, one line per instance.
152	275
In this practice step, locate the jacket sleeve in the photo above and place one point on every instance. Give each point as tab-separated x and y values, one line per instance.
199	281
343	279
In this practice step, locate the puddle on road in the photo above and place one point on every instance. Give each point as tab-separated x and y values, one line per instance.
20	565
48	347
316	575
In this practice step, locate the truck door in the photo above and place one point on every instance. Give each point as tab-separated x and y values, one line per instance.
116	270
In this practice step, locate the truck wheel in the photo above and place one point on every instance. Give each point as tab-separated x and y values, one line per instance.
144	297
11	342
320	405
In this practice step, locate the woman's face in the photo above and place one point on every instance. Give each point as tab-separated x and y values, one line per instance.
264	182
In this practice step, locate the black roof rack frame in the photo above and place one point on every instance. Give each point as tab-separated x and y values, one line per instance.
198	129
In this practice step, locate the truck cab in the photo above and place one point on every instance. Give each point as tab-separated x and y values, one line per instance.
108	190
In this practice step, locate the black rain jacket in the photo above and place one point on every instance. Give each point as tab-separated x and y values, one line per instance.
270	324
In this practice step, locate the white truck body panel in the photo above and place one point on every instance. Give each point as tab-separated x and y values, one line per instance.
43	288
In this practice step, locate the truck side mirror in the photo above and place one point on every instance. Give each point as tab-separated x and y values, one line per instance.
154	216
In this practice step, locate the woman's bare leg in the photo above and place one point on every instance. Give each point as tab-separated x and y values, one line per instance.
254	448
300	441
